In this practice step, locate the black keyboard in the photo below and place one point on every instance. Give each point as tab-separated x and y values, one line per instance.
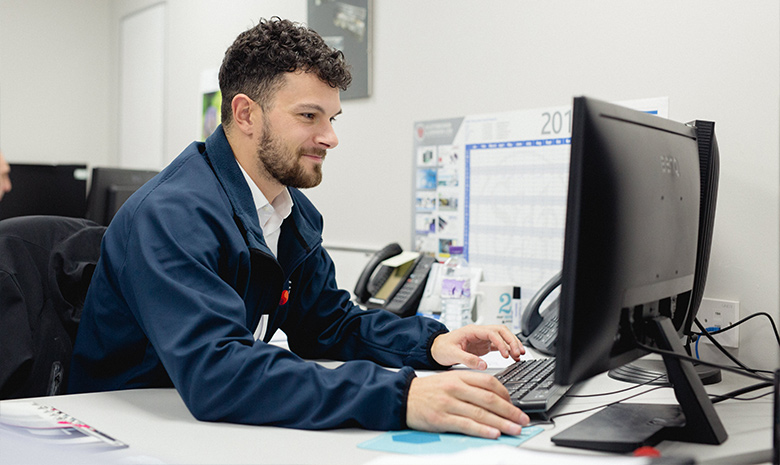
530	385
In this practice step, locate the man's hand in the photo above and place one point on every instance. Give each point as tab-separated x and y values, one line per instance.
5	180
465	345
465	402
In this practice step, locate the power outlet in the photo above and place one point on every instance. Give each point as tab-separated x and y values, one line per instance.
714	313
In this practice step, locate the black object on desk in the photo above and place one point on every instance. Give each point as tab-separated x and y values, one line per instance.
59	190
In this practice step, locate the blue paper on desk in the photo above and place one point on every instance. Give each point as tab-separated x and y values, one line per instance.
418	442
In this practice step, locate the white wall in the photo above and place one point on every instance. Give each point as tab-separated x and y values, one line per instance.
54	81
714	59
142	88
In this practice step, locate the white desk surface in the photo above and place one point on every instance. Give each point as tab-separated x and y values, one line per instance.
155	423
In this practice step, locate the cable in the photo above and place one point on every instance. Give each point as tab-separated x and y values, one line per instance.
620	390
706	332
750	372
742	371
743	320
709	333
711	330
721	348
733	394
552	419
748	399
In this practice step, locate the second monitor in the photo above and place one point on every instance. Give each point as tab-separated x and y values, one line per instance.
40	189
110	188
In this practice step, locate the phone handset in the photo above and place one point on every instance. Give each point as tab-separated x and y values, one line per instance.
540	329
366	286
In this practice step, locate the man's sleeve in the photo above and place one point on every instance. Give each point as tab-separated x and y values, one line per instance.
324	323
196	324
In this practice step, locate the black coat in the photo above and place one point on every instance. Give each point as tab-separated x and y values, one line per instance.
46	263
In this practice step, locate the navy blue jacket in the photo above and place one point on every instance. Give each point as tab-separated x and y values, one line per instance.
183	279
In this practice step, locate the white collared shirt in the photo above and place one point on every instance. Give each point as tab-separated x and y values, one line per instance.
270	216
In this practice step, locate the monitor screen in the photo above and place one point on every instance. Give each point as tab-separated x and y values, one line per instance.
110	188
630	251
59	190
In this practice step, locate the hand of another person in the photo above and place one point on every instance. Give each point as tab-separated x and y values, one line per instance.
5	180
465	345
465	402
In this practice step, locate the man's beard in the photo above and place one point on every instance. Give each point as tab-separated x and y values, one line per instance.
284	165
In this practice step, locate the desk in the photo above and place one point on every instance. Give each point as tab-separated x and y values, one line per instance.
156	423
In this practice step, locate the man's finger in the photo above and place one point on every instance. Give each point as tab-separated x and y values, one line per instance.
486	401
500	339
484	382
473	361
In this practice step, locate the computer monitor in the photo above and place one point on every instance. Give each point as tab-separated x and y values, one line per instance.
685	309
110	188
40	189
630	250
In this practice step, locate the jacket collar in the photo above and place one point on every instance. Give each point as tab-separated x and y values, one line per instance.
223	161
310	235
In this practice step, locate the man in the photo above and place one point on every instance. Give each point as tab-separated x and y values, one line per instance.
206	261
5	178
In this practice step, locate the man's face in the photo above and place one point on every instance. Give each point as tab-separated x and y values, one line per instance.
298	130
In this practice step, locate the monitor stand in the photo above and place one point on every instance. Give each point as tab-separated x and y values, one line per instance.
653	371
626	427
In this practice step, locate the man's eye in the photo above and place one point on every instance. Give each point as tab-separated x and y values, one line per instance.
308	115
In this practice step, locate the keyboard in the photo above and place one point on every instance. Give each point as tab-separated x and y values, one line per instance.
531	388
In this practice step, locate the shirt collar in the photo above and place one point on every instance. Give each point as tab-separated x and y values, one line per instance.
281	205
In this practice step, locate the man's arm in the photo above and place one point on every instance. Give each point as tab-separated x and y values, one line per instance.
465	401
182	272
322	323
458	401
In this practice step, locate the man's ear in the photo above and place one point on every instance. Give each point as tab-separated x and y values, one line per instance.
244	117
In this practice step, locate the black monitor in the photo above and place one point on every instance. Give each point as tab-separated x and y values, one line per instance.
685	309
59	190
630	253
110	188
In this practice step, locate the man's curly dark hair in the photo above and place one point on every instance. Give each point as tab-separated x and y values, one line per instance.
256	62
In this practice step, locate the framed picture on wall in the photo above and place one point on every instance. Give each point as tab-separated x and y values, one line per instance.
346	26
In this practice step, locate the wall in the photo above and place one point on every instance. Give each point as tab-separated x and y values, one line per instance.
714	59
55	63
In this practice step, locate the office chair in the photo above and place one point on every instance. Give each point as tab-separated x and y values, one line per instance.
46	264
